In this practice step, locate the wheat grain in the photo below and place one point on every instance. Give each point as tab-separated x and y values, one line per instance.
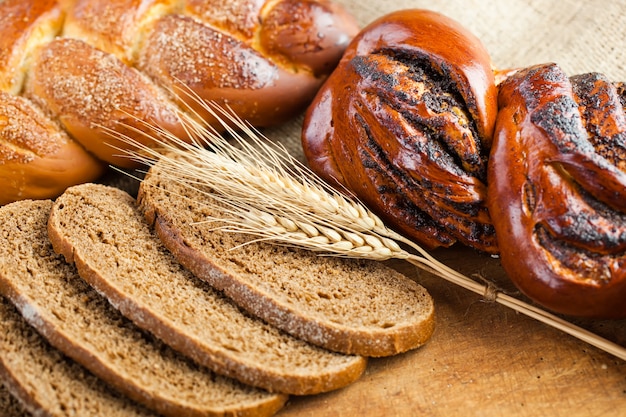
263	191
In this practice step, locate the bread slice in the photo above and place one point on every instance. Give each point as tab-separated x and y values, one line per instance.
10	406
81	323
346	305
46	382
102	231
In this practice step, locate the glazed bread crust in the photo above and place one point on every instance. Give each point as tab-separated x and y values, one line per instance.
557	194
38	159
85	87
102	70
410	135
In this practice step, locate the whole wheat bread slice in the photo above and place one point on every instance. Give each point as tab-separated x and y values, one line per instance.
72	316
101	230
10	406
48	383
346	305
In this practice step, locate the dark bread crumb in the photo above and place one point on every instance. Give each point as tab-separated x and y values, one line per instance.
101	229
47	382
81	323
350	306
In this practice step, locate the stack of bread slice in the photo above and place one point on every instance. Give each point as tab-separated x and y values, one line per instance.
105	314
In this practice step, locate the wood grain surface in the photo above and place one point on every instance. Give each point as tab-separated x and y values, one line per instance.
483	360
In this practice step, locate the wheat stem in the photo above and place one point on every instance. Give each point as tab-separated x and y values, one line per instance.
261	190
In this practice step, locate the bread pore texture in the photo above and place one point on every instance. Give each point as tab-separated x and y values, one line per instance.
351	306
83	325
100	229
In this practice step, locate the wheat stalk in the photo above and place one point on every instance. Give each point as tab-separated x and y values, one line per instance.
264	191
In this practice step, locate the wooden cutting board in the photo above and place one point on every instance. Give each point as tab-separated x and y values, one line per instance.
483	360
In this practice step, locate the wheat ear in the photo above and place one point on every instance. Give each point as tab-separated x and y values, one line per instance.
264	191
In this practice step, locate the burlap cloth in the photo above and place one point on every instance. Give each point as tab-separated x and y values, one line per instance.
581	36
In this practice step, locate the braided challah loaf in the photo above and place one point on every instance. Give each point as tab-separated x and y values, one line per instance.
72	71
37	157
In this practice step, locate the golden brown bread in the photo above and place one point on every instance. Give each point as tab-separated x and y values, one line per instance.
557	178
118	27
405	122
211	49
315	38
88	90
24	25
266	81
260	89
37	158
94	65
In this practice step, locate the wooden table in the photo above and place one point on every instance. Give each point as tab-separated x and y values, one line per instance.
483	360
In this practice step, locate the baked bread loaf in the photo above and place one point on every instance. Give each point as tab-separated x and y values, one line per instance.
101	230
46	382
557	189
266	71
104	69
37	157
92	94
79	322
346	305
411	134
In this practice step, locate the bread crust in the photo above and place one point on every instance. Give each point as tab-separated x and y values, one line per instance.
24	25
410	135
93	94
118	27
290	26
558	190
229	73
237	17
37	158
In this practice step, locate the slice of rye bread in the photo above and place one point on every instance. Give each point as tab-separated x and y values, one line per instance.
346	305
101	230
10	406
72	316
48	383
